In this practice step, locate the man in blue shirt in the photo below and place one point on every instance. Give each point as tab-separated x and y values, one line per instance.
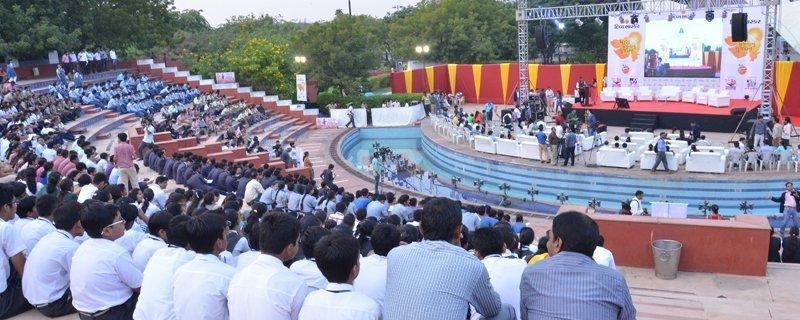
362	199
488	111
570	139
541	137
592	121
661	153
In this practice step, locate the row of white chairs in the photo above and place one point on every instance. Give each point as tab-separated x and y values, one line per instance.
711	97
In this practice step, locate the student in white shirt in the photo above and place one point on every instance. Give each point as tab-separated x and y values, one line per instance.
505	273
236	244
266	289
157	227
132	236
337	258
307	268
46	281
12	302
41	226
159	197
103	278
26	211
371	279
156	301
98	182
201	285
246	258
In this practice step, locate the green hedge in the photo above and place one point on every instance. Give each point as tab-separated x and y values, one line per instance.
326	98
378	82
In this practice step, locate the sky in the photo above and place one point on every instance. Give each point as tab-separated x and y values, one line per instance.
218	11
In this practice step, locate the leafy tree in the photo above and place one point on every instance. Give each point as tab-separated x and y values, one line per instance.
342	52
262	64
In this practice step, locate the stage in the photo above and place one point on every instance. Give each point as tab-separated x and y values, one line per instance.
673	114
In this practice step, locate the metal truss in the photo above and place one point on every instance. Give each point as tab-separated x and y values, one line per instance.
770	56
522	42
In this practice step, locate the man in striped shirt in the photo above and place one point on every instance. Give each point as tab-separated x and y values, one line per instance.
446	279
569	284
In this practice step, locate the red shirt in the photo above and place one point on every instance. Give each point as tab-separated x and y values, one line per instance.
558	119
123	153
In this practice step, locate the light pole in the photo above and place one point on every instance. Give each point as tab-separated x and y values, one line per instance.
300	59
422	51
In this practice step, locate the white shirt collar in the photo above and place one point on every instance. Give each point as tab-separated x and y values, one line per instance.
338	287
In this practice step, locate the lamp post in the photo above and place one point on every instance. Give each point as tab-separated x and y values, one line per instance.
422	51
300	59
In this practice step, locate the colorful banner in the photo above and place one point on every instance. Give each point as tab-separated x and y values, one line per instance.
302	90
625	52
225	77
743	62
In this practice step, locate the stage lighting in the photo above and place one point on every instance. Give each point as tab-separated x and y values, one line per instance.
724	14
691	15
634	18
646	18
710	15
670	17
579	22
621	19
598	20
559	24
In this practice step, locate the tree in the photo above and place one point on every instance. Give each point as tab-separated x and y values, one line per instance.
342	52
262	64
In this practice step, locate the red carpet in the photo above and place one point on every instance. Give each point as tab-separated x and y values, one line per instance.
675	107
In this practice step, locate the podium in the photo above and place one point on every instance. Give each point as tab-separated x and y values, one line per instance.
669	209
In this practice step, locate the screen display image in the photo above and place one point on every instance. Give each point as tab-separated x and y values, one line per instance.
683	48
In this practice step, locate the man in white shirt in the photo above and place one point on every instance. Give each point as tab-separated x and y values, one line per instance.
157	226
12	302
37	228
103	279
46	281
637	209
307	268
371	279
98	182
266	289
253	189
156	300
337	258
159	197
505	274
26	213
201	285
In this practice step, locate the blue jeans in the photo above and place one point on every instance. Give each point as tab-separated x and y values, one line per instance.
790	212
377	182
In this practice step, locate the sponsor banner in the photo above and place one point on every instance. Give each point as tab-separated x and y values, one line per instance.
302	90
225	77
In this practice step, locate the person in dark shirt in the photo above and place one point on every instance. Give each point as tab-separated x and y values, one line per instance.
241	185
791	246
167	172
774	247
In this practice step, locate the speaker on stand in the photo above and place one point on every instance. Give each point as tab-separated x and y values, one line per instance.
739	26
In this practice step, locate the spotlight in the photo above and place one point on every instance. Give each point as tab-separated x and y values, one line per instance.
579	22
634	18
710	15
724	14
621	19
598	20
559	24
670	17
691	15
646	18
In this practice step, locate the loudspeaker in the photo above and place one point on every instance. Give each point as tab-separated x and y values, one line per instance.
541	37
739	26
622	103
738	111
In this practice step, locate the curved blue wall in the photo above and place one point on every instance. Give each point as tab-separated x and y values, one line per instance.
610	189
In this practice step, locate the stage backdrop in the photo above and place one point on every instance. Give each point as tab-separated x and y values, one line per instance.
497	82
672	49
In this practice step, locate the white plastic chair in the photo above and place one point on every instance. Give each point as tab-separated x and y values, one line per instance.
784	157
751	158
765	158
735	160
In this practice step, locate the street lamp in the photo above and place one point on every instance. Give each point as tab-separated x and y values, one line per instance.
300	59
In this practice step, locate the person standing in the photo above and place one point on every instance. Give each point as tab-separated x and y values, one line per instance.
124	153
695	131
488	110
377	170
789	201
552	141
787	131
637	209
777	131
439	290
307	163
328	175
591	119
542	138
570	284
759	130
351	116
147	140
570	140
661	153
113	55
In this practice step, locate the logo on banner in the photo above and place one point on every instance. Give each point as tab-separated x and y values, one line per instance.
730	84
633	81
300	85
750	47
742	69
626	68
751	83
616	82
628	46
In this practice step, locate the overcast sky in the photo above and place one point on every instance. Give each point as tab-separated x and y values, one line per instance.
217	11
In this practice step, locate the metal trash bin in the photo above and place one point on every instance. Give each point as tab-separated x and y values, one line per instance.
666	256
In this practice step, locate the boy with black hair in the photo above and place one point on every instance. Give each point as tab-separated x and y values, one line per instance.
132	236
307	268
42	225
266	289
337	258
26	211
157	227
371	280
47	271
201	285
156	300
12	302
99	182
103	279
504	273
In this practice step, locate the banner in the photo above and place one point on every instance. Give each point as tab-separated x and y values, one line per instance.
686	50
225	77
300	83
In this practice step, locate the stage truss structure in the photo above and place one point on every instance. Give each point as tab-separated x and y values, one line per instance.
642	7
